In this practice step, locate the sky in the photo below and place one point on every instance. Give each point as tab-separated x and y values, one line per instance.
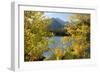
62	16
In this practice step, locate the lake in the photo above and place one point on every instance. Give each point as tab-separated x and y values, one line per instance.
55	42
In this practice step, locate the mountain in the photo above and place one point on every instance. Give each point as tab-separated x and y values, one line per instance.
57	24
57	27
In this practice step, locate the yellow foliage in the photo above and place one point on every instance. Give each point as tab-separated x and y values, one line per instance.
65	39
58	53
35	42
77	49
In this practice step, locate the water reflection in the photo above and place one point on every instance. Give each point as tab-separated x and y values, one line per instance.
55	42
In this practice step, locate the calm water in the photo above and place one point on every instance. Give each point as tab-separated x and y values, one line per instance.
56	42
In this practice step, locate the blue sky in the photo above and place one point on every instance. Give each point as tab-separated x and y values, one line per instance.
63	16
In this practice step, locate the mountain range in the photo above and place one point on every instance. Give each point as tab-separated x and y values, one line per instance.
57	27
57	24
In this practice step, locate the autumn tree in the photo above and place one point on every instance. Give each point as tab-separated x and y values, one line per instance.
79	30
35	33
